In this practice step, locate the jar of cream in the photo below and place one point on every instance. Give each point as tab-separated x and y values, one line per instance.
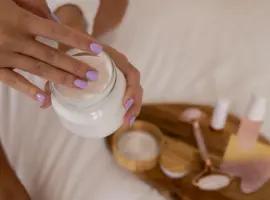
97	110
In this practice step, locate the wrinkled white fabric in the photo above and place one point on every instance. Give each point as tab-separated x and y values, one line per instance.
192	51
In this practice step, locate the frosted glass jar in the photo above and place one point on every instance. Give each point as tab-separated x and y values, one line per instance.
97	113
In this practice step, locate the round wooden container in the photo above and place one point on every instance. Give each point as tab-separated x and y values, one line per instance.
175	157
136	165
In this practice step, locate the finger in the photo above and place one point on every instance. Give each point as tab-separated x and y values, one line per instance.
134	90
41	69
131	114
61	33
39	8
18	82
56	58
47	102
133	81
133	107
54	17
129	98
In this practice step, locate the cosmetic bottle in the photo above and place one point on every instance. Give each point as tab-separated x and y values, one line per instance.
220	114
251	122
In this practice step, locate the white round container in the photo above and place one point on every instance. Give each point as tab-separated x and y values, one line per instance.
173	175
97	113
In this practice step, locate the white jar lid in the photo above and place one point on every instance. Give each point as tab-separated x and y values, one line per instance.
173	175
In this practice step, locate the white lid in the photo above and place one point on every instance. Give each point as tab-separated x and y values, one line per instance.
257	108
173	175
223	102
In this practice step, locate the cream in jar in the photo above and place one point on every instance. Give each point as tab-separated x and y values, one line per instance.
97	110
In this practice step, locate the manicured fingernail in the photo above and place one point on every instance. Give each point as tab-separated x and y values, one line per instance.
131	120
92	75
80	83
55	18
129	103
41	98
96	48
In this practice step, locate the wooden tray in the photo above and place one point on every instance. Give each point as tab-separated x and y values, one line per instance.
168	121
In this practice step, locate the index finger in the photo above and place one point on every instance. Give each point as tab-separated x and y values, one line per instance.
62	33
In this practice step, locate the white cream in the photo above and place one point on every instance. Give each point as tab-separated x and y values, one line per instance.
137	145
96	111
213	182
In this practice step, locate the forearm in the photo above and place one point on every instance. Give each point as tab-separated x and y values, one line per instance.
109	15
10	186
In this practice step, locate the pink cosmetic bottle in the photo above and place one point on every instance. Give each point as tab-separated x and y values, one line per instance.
251	122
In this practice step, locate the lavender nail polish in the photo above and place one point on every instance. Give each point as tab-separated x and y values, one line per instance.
129	103
55	18
131	120
41	98
92	75
96	48
80	83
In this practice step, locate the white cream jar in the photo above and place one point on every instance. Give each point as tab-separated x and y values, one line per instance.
96	111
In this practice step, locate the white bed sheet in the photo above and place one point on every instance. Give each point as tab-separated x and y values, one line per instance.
189	51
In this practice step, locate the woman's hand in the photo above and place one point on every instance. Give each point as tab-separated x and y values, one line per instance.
37	7
133	98
132	101
19	50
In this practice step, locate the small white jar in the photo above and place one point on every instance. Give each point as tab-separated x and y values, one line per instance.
95	114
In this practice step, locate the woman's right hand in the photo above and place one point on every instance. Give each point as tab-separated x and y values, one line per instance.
20	50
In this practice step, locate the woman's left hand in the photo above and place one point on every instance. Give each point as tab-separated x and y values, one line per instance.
133	98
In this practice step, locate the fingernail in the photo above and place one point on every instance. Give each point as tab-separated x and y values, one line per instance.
55	18
131	120
129	103
80	83
92	75
41	98
96	48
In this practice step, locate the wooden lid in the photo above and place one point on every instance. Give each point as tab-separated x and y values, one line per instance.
175	155
136	165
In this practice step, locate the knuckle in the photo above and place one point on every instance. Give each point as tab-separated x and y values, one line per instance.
6	40
123	57
79	68
30	91
60	31
51	55
40	68
66	79
136	73
5	77
24	20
